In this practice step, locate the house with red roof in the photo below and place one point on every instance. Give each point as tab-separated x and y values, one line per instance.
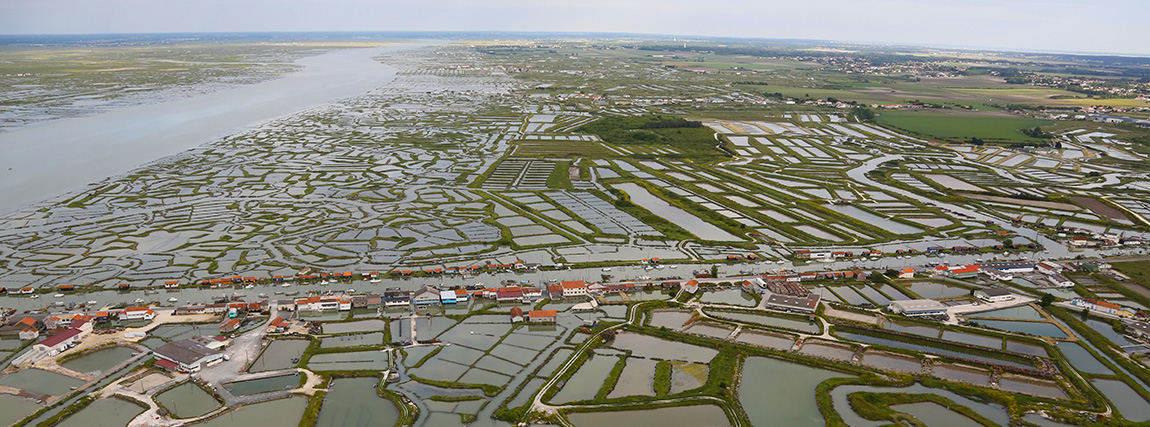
542	316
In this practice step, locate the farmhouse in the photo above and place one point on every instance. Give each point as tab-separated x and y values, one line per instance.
542	316
573	288
906	273
137	313
917	307
59	342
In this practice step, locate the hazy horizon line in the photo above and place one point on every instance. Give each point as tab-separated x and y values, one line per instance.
591	33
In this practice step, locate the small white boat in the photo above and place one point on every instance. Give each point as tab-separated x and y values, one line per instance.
173	299
58	296
323	282
139	300
351	291
34	296
374	281
286	285
263	295
606	268
91	303
249	286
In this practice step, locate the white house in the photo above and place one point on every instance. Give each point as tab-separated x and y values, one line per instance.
137	313
917	307
1059	281
573	288
447	297
993	295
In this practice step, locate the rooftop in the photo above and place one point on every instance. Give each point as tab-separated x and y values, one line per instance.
919	305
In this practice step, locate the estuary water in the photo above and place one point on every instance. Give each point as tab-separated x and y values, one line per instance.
47	159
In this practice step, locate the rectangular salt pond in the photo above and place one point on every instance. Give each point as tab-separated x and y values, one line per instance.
1030	386
873	294
587	380
769	404
1025	348
973	339
263	385
637	379
278	412
729	297
99	360
778	322
656	348
1042	329
935	290
699	415
682	218
356	326
670	319
373	360
1082	360
760	339
892	362
870	218
913	328
187	400
713	330
1024	312
279	355
827	350
688	376
354	402
1132	406
961	373
372	339
925	349
40	381
108	412
933	414
14	408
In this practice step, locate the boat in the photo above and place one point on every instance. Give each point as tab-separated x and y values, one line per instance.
34	296
139	300
351	291
286	285
91	303
374	281
606	268
173	299
262	295
323	282
292	293
58	296
249	286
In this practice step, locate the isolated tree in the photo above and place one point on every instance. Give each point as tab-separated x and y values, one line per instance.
1046	300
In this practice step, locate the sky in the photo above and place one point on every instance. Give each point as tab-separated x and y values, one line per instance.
1092	26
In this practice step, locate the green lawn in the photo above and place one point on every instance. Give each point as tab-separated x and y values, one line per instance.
960	125
1139	271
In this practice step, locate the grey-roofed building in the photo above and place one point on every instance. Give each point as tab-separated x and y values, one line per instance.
917	307
805	304
192	354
